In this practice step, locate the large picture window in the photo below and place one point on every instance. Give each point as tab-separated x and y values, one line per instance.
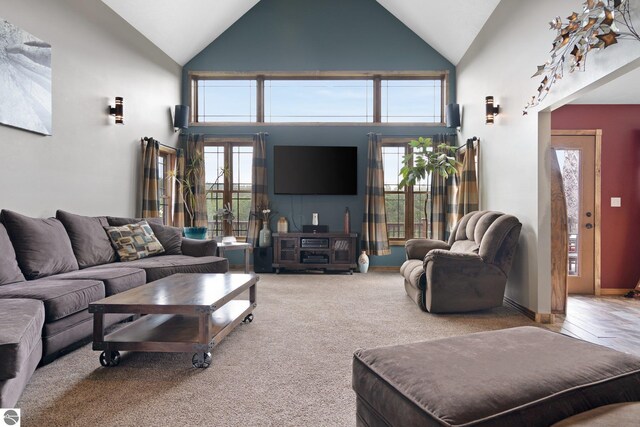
319	97
228	183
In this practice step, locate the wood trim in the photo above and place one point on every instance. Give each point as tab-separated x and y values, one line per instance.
415	74
384	268
597	250
614	291
545	318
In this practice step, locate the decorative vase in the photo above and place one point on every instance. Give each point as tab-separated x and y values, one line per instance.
347	221
199	233
363	262
314	218
264	238
283	225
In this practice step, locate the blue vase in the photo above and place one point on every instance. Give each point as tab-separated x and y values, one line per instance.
199	233
363	262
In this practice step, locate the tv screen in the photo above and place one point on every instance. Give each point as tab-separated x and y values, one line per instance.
315	170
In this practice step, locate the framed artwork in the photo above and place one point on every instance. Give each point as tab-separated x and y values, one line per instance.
25	80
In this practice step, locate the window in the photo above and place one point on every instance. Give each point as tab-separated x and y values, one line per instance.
230	188
226	100
411	101
329	97
318	101
404	207
166	162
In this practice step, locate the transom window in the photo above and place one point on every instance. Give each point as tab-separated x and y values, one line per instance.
404	207
228	182
321	97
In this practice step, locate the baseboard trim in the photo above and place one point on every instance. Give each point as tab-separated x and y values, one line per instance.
614	291
385	268
546	318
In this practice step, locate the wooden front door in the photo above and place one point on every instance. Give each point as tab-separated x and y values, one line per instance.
578	156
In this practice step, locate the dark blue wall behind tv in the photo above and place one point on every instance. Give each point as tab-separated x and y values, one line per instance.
327	35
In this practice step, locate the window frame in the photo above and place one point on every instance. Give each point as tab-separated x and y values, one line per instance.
227	192
375	76
409	194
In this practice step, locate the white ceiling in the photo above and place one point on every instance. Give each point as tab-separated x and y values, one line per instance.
183	28
623	90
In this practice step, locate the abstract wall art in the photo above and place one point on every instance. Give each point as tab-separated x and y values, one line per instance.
25	80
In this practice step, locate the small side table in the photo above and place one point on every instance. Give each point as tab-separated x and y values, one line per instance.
237	246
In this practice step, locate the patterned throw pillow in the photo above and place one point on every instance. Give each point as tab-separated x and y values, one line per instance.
134	241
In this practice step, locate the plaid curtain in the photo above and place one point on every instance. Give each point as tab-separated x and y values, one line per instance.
150	201
178	200
195	161
259	195
442	212
374	225
468	193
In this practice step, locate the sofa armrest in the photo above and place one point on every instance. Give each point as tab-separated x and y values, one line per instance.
418	248
199	248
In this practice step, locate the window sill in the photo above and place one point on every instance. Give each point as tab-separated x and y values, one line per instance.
256	124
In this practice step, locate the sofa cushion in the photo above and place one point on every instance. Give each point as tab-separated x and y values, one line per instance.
21	323
89	240
42	245
169	237
166	265
9	270
115	280
60	297
617	414
134	241
506	377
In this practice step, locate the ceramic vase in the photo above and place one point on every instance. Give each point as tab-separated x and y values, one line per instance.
264	238
199	233
283	225
363	262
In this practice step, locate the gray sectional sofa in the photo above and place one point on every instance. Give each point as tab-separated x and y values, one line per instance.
51	269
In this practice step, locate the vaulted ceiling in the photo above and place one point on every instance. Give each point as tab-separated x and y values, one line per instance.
183	28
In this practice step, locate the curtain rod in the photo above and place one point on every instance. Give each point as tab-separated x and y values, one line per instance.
408	136
231	134
147	138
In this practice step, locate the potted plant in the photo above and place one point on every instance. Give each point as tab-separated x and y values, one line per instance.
193	173
226	213
425	160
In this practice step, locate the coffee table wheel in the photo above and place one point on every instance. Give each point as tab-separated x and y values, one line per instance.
115	359
199	362
248	318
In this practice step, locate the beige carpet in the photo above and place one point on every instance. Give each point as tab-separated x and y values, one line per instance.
290	367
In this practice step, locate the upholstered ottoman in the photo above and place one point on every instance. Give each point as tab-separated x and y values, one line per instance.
514	377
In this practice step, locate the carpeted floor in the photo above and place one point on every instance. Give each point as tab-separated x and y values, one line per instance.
290	367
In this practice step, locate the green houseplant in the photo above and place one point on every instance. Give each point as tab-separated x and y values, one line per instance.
423	160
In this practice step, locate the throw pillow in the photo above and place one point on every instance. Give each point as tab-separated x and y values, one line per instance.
90	242
42	245
169	237
134	241
9	270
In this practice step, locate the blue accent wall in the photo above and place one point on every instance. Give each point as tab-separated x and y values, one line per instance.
327	35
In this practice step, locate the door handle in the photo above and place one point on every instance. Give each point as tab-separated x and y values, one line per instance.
589	226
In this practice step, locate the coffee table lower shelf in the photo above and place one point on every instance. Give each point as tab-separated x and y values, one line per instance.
175	333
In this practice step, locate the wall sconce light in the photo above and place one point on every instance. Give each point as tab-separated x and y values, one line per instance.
453	115
181	117
491	110
118	110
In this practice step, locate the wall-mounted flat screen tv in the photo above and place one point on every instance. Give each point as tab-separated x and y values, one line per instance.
315	170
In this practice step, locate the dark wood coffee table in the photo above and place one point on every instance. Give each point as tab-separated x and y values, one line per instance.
184	312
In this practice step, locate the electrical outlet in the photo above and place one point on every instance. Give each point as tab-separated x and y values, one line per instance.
616	202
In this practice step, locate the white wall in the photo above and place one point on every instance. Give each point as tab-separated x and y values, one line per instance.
514	167
89	165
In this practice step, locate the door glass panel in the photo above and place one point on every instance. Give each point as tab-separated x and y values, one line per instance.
569	161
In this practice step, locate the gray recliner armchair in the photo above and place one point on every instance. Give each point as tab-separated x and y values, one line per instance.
470	271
